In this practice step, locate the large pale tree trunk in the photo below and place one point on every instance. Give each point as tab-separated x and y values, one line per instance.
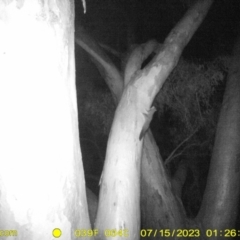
41	179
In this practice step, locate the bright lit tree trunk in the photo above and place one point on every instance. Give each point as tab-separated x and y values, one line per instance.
41	179
119	203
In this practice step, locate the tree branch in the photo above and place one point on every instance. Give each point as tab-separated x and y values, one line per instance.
170	157
107	69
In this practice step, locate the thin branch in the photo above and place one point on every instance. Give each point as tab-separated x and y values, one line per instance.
169	158
111	50
199	109
106	67
84	6
180	153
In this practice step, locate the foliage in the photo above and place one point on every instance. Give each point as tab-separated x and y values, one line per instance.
189	103
191	97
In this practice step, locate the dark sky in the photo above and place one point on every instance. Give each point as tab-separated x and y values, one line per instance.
108	22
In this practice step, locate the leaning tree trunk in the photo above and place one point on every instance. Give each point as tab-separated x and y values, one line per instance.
220	203
119	203
41	179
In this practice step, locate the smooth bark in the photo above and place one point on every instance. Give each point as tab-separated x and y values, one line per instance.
220	203
41	179
120	183
161	208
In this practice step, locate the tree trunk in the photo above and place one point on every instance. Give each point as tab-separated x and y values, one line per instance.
119	205
41	179
220	202
161	208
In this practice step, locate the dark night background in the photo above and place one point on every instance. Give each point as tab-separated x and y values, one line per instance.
106	20
120	23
